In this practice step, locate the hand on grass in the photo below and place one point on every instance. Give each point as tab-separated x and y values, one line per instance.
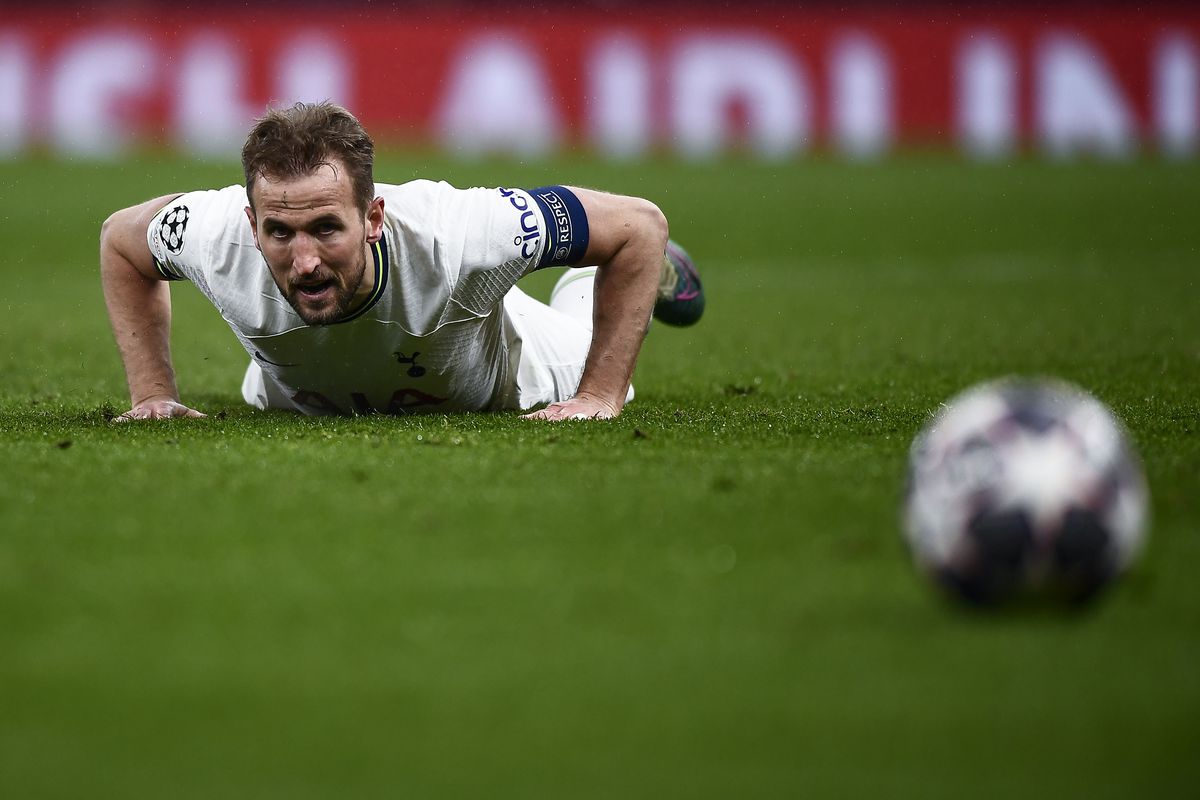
581	406
158	408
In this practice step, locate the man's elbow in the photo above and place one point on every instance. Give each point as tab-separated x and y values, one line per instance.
110	230
653	224
118	238
120	254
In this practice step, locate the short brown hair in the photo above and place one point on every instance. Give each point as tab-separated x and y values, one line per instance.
293	142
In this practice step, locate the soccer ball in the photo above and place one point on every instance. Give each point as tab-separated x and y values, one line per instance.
1024	490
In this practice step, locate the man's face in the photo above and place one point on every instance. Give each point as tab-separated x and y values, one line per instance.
315	241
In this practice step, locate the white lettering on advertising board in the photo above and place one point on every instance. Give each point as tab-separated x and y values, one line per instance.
987	96
499	100
700	94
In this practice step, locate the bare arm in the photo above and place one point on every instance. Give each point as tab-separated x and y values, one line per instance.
139	307
628	237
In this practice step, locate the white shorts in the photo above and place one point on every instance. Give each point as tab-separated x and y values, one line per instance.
548	348
549	343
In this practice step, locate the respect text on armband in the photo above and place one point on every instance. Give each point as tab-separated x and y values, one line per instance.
562	223
529	239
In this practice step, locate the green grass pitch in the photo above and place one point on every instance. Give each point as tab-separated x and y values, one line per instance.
707	597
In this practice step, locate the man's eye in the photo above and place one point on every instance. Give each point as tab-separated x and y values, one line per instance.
327	230
277	233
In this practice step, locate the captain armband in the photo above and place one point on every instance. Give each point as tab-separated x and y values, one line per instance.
566	224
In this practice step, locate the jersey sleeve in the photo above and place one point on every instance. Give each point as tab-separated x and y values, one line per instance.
475	244
183	234
491	229
544	227
548	225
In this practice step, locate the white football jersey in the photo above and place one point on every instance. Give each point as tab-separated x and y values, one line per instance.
432	337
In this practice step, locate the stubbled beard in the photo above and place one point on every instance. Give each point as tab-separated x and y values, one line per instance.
342	301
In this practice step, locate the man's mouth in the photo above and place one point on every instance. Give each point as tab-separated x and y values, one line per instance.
315	291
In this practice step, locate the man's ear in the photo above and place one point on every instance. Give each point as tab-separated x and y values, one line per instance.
253	226
374	220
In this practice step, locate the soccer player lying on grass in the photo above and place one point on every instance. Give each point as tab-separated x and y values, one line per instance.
353	297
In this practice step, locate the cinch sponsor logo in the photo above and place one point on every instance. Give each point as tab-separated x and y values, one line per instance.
529	240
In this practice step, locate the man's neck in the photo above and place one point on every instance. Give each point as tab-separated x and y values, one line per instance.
367	286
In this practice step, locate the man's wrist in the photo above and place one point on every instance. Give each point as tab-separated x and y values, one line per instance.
609	402
137	399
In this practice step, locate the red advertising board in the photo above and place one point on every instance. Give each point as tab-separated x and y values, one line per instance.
776	82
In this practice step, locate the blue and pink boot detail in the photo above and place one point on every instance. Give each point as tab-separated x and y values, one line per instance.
680	301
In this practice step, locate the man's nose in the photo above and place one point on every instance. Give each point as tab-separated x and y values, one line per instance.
305	258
